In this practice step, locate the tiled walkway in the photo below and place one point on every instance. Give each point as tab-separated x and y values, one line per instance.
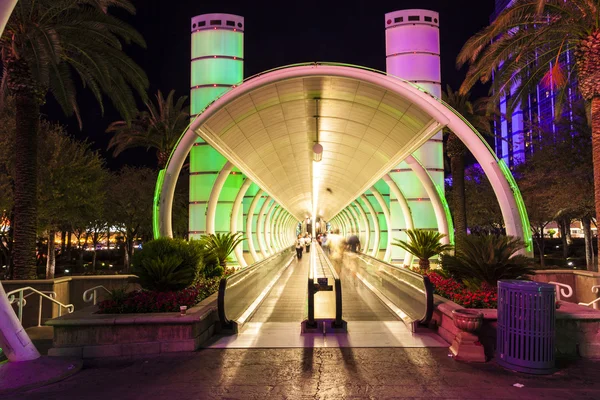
315	373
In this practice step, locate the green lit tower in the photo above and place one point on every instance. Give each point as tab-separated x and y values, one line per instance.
217	65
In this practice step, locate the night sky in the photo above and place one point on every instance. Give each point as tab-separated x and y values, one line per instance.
276	33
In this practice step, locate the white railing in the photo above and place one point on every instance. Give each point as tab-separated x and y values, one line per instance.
560	290
44	294
91	295
595	303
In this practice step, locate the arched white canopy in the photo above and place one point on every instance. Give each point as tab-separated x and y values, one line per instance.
367	122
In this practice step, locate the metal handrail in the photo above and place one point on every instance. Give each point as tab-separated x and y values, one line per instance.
21	302
90	295
225	321
595	303
427	289
561	292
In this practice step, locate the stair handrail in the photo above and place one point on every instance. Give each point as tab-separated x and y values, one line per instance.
560	290
44	294
594	303
90	295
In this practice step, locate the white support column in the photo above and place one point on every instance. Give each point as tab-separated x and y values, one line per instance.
364	227
358	207
375	219
14	340
259	228
250	224
408	220
386	213
357	222
350	217
436	201
213	199
279	228
347	222
269	227
235	211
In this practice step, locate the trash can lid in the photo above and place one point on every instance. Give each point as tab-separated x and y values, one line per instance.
529	286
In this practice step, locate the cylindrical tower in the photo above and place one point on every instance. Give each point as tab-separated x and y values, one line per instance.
217	64
412	41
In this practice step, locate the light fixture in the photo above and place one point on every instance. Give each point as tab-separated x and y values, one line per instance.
317	152
317	147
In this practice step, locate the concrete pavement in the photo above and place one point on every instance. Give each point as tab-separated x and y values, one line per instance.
315	373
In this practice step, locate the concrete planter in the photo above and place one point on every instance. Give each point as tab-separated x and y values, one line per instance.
85	334
577	328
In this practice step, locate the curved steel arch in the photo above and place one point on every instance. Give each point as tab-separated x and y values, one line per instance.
505	188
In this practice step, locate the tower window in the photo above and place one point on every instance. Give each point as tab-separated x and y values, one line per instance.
427	19
414	18
399	19
215	22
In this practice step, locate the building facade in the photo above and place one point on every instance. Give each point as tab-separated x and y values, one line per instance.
517	132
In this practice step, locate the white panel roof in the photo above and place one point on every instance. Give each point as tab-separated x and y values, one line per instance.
271	130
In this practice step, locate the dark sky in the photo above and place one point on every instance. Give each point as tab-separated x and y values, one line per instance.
277	33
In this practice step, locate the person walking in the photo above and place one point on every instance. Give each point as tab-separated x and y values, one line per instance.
299	246
353	243
307	241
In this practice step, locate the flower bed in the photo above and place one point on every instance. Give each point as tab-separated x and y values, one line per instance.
486	297
146	301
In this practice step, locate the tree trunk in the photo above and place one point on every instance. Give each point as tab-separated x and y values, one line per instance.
128	252
596	152
25	187
126	260
94	259
108	238
424	264
457	165
51	259
69	247
63	242
539	239
589	246
564	227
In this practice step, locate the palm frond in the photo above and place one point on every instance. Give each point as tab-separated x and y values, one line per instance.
423	244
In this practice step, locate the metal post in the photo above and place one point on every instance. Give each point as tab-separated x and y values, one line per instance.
39	312
20	304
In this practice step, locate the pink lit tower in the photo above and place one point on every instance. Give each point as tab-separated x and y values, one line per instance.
412	42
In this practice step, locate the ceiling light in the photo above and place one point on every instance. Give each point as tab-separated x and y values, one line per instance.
318	152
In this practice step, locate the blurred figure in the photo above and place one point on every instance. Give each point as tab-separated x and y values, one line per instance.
299	246
336	245
353	243
307	241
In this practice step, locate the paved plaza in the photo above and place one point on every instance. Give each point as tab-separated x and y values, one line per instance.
315	373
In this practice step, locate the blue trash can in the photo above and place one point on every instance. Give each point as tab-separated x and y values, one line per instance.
526	326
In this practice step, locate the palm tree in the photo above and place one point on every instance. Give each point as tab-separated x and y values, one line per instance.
46	44
524	46
488	258
159	127
475	113
423	245
221	245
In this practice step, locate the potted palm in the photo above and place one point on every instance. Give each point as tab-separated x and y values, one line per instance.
423	245
221	245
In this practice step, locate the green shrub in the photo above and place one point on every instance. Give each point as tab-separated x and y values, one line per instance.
423	245
168	264
487	258
221	245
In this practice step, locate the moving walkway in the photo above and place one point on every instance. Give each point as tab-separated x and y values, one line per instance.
355	288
